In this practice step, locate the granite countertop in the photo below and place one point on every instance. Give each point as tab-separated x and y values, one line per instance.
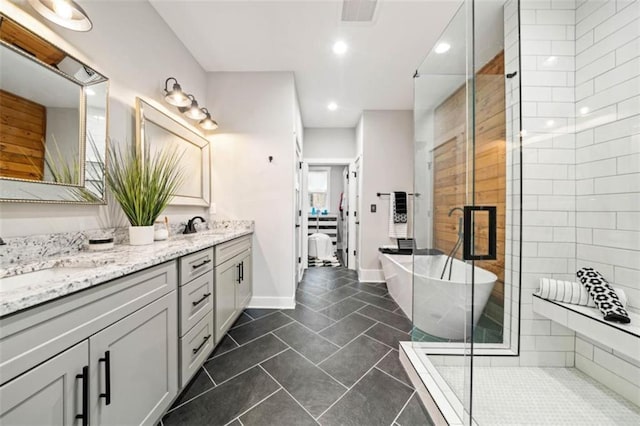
86	269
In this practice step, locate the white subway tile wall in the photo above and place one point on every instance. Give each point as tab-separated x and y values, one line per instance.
581	171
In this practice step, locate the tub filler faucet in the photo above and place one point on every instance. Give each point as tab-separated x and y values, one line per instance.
456	247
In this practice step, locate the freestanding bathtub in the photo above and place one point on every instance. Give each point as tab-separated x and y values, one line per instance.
437	306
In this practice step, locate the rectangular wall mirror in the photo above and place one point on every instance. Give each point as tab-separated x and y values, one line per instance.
156	130
53	132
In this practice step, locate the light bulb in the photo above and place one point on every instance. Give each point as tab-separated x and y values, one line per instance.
62	9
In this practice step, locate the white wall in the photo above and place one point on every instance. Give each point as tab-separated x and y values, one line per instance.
387	144
132	46
256	116
329	143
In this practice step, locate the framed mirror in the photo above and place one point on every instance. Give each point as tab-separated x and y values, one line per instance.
53	128
157	129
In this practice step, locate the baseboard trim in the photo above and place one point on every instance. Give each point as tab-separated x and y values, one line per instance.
272	303
370	275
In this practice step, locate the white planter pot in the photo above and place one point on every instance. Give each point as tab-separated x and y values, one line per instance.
140	235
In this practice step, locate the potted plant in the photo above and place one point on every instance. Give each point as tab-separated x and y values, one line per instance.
143	185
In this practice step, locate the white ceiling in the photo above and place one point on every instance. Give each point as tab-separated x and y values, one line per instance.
297	35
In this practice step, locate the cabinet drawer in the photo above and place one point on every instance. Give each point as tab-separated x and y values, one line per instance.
226	251
196	301
31	337
195	348
195	264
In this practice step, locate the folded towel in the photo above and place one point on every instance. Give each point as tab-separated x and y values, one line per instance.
603	295
400	207
571	292
396	229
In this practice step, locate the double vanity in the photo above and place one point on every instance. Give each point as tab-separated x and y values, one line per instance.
111	338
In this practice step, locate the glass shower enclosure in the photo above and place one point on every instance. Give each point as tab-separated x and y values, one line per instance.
466	221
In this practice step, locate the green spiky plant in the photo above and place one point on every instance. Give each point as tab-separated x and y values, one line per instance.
143	184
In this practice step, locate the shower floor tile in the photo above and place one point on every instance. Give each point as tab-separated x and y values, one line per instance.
541	396
286	368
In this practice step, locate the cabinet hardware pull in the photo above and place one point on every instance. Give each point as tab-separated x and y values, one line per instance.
202	299
204	262
242	271
85	395
239	273
204	341
107	377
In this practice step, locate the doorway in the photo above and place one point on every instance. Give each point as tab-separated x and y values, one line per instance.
328	196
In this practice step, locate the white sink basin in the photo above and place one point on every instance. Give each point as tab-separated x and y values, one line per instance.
38	277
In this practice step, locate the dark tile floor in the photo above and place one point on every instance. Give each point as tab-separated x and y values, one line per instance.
333	360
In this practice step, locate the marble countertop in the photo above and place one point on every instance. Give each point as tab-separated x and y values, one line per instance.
86	269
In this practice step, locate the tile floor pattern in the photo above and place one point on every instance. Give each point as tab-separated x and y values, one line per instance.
333	360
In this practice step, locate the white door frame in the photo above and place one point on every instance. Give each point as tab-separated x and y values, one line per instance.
346	162
354	187
305	216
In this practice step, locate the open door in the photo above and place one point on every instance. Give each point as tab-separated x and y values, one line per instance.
298	214
344	216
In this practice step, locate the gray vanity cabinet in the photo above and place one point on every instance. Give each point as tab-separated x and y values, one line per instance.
133	370
50	394
244	287
226	311
233	282
110	352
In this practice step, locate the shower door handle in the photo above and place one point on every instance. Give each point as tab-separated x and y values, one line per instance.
468	246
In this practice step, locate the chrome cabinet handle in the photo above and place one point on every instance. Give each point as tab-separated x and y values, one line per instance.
85	395
202	299
107	378
204	341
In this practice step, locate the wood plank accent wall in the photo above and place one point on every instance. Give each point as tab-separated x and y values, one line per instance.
22	135
15	35
450	164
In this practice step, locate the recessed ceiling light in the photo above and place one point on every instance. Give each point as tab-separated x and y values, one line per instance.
340	47
584	110
442	47
550	123
332	106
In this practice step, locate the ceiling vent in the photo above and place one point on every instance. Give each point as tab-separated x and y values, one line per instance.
358	10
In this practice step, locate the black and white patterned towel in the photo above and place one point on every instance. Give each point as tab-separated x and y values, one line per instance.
603	295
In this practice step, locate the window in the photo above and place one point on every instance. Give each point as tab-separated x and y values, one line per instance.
319	188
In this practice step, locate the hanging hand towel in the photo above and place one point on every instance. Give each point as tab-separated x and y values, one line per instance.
396	230
603	295
400	207
571	292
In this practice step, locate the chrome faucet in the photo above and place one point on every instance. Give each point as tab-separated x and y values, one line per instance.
190	227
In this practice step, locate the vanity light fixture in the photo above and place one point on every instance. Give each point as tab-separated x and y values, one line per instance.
66	13
188	105
175	96
193	112
208	123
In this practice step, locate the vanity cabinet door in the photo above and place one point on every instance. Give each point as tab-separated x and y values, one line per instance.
50	394
227	278
134	366
244	288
